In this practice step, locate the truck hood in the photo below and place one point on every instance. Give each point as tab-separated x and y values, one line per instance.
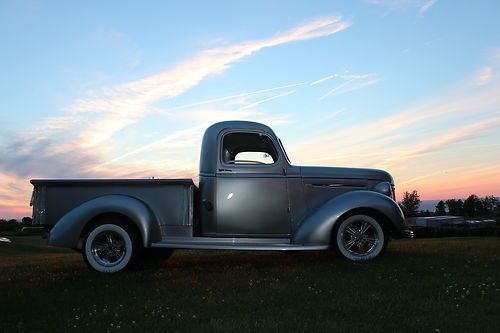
345	173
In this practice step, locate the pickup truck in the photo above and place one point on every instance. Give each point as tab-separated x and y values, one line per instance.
249	197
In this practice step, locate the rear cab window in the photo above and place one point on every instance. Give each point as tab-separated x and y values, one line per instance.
248	149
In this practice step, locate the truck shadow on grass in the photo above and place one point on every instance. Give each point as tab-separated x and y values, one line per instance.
28	256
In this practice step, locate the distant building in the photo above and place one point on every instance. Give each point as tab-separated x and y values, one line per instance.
435	221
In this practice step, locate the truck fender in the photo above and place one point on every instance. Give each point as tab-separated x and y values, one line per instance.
67	231
318	226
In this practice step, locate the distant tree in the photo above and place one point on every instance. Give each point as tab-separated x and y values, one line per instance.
27	220
423	213
479	207
497	209
455	207
451	204
3	221
440	211
489	204
411	201
460	207
471	205
12	221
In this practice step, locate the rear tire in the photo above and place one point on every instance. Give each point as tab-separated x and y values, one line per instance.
110	246
360	237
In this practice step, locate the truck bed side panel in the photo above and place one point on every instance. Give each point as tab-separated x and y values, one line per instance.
170	202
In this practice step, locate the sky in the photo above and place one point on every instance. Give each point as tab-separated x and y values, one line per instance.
121	89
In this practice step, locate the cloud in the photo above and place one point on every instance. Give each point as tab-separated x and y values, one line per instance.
236	96
208	117
468	105
483	76
164	142
77	136
268	99
442	141
124	104
400	5
353	82
326	78
425	7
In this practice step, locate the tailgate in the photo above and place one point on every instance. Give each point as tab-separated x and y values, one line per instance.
38	203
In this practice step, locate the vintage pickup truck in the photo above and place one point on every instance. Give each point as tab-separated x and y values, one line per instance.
250	197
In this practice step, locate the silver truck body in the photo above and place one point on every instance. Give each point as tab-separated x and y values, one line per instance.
238	204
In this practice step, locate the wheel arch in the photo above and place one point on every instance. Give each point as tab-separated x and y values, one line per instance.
317	228
111	217
68	231
384	220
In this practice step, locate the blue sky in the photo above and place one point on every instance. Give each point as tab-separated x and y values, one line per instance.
121	89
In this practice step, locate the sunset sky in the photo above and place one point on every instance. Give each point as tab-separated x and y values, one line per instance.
119	89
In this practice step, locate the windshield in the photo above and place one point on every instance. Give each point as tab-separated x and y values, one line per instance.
284	151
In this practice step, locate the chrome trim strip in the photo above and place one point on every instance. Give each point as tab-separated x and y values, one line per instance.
224	240
248	247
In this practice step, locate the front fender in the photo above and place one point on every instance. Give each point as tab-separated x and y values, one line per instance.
66	232
317	227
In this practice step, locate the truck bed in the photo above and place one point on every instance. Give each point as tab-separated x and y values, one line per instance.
171	200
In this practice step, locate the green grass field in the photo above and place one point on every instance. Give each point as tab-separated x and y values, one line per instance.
425	285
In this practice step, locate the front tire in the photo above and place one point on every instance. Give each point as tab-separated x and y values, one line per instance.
360	237
110	247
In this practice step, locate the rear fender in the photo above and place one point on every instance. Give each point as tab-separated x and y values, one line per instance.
317	227
67	231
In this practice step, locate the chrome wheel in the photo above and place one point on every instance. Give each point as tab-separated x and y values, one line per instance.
108	248
360	237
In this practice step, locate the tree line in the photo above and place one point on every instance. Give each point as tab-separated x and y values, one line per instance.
25	220
13	224
473	206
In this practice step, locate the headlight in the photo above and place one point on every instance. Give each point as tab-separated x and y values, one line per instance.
384	188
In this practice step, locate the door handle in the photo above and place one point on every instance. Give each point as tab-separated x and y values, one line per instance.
207	204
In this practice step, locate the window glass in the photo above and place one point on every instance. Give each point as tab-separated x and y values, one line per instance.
248	149
256	156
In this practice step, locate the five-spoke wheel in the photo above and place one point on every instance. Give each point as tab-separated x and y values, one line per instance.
109	247
360	237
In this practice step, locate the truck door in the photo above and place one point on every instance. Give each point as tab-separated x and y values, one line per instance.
251	188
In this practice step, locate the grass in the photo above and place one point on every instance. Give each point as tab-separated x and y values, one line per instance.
423	285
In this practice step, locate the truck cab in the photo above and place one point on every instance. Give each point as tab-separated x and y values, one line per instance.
250	197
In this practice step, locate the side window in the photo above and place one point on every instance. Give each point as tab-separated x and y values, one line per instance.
248	149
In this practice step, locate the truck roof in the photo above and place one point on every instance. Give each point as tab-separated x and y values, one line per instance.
209	146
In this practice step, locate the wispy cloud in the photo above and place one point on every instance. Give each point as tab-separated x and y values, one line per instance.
122	105
472	105
169	139
326	78
416	135
208	116
421	5
236	96
441	142
268	99
483	75
79	142
351	83
425	7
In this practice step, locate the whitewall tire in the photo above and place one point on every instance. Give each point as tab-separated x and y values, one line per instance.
360	237
108	248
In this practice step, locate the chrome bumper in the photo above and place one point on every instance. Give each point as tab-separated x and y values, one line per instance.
409	234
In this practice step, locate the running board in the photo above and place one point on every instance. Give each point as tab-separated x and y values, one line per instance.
248	247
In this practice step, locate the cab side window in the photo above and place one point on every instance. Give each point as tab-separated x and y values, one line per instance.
248	149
